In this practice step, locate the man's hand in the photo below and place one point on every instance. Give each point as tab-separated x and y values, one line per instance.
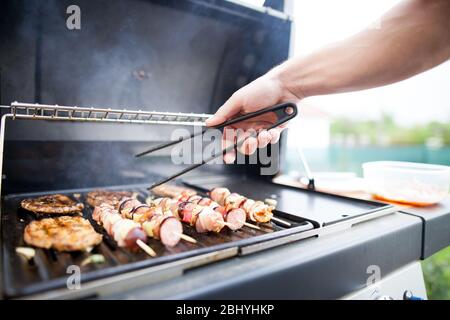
264	92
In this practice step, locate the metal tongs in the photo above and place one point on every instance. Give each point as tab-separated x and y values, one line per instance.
284	112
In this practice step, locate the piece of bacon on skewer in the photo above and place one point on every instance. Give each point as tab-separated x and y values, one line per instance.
225	202
257	211
204	219
157	224
235	217
172	191
125	232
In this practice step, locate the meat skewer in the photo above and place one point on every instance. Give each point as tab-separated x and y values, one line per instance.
203	218
256	211
127	233
158	224
235	216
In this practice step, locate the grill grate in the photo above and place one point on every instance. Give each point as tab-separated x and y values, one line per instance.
48	268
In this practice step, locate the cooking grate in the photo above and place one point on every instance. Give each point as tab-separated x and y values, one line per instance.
48	269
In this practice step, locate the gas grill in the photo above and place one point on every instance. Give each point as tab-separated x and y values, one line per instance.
124	58
48	270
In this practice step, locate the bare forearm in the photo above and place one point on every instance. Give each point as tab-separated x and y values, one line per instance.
411	38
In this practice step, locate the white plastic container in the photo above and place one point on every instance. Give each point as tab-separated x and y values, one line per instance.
412	183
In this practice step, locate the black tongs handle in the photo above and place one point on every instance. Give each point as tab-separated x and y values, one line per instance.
284	112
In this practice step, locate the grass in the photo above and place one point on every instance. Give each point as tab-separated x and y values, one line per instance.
436	270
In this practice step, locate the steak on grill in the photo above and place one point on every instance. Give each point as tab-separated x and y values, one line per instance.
172	191
52	204
98	197
66	233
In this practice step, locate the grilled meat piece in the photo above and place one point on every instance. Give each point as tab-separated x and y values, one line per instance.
172	191
66	233
97	197
125	232
52	204
233	215
204	219
256	211
156	223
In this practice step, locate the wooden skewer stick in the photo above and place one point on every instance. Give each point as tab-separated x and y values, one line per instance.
230	225
146	248
281	221
251	225
186	237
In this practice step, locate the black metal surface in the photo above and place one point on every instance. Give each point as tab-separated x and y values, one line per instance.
34	166
193	55
323	268
48	271
436	226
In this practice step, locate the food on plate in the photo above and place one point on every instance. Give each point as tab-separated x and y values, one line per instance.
52	204
97	197
66	233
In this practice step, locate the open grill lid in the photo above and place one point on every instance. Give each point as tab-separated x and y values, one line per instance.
178	56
